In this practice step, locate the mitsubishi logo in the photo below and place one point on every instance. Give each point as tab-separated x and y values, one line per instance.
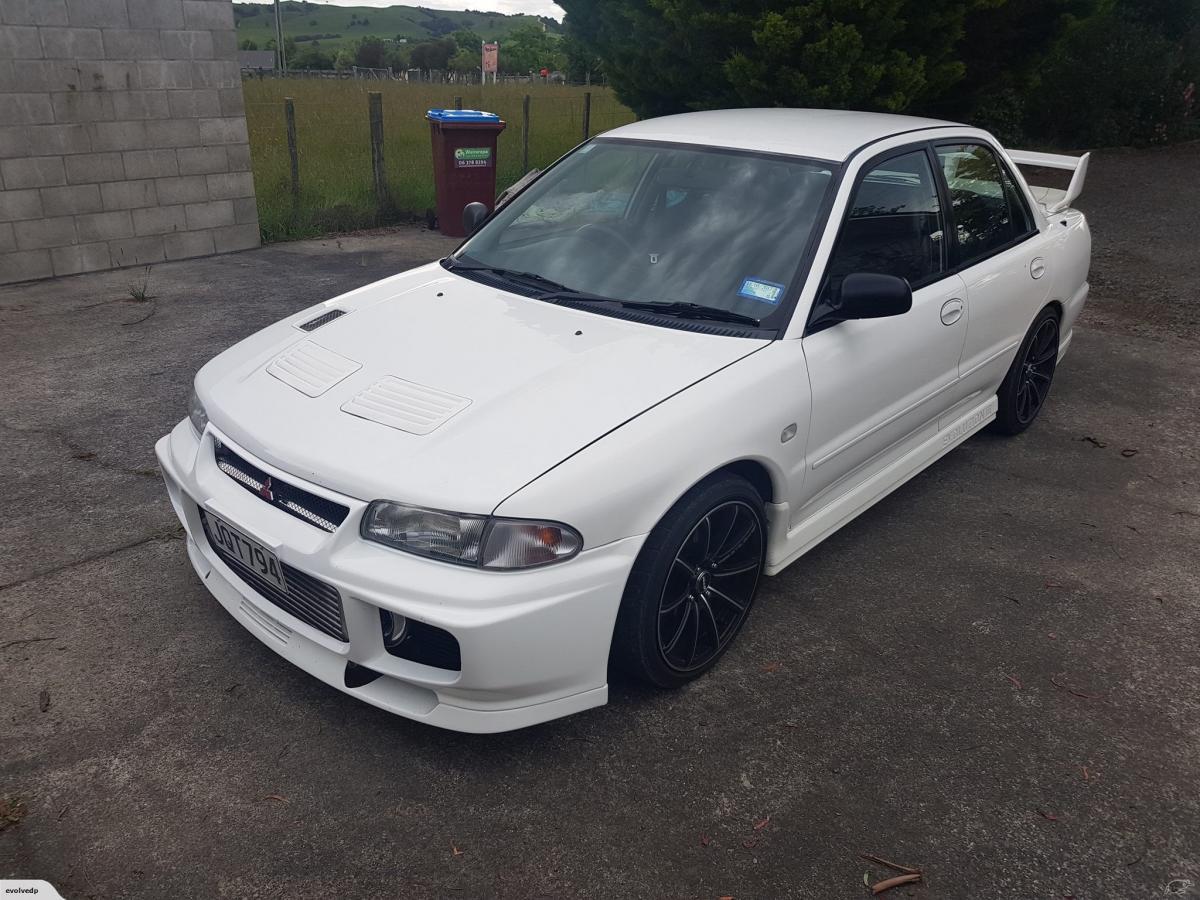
265	491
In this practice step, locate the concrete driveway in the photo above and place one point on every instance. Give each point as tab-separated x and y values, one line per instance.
993	675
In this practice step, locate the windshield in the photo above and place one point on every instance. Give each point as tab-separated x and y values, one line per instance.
643	222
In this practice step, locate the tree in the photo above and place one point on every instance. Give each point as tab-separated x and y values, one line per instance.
667	56
311	57
247	44
582	63
529	48
343	60
1148	54
1003	46
466	60
369	53
433	54
396	57
467	40
656	67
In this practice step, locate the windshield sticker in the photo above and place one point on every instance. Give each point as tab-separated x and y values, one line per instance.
586	148
763	291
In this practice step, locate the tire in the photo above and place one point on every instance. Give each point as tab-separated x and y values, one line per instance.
693	583
1025	388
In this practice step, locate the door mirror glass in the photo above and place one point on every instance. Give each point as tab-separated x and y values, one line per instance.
870	295
473	216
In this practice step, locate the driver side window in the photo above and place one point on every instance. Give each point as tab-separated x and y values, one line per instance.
894	226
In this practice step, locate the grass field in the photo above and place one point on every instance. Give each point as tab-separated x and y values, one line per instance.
332	134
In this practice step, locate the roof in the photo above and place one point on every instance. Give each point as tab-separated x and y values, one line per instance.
831	134
256	59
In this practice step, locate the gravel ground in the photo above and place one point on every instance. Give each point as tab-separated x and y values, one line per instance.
992	675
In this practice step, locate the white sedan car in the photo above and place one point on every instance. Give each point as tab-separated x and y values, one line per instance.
669	365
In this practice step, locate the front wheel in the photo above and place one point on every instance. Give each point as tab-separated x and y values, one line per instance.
693	583
1024	390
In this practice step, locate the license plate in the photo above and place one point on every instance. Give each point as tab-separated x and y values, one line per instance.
253	555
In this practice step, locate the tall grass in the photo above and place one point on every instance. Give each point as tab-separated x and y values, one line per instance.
333	137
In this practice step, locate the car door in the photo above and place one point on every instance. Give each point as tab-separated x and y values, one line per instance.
878	382
1000	254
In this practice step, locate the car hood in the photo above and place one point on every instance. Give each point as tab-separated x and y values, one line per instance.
436	390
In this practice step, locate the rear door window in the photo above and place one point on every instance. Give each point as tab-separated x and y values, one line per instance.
988	210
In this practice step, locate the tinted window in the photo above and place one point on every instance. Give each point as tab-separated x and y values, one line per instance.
988	212
895	224
641	221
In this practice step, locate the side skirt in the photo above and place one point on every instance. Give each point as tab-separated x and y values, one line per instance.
797	541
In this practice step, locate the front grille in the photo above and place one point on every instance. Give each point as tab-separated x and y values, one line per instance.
324	514
309	599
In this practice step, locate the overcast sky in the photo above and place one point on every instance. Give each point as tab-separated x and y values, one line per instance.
532	7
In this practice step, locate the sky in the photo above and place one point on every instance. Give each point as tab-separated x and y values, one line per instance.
531	7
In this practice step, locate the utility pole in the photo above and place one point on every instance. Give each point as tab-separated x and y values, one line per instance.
279	40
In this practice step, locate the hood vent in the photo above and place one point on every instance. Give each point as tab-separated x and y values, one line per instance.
312	369
323	319
405	406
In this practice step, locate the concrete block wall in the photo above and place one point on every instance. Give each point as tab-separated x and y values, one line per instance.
122	135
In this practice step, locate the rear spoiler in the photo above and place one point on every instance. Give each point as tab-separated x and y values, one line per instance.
1053	199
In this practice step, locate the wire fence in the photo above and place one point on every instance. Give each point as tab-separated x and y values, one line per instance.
334	188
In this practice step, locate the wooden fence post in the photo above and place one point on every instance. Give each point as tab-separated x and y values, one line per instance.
587	115
375	107
458	102
525	135
289	113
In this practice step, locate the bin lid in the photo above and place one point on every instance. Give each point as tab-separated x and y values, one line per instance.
463	116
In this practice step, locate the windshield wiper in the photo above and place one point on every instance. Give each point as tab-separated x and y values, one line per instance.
573	296
676	309
531	279
691	311
553	292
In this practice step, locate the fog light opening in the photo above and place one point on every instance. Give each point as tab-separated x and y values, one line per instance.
395	628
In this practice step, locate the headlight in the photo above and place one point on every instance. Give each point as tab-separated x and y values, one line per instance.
426	532
480	541
196	414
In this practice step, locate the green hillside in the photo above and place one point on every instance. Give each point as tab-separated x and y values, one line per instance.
335	26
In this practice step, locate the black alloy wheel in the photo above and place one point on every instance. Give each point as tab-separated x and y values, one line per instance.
1025	388
710	586
693	583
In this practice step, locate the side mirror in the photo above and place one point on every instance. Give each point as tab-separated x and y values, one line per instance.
473	214
870	295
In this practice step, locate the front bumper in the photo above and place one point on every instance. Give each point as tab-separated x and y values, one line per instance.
534	645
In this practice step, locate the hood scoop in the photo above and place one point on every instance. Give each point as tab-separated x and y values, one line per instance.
312	369
405	406
323	319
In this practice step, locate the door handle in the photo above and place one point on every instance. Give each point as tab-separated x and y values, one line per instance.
952	311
